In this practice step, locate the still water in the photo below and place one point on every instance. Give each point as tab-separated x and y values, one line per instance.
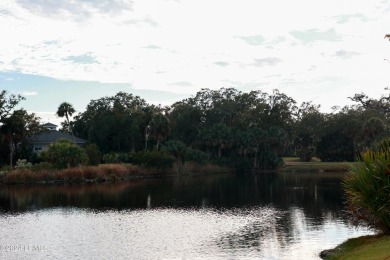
265	216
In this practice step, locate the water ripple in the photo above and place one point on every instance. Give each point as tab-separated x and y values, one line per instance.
167	233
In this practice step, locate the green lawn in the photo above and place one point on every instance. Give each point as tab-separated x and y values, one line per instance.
367	247
292	164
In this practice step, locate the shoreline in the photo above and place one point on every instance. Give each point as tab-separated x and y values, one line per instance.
123	172
364	247
103	173
293	165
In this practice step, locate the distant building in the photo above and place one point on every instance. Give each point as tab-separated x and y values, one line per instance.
42	141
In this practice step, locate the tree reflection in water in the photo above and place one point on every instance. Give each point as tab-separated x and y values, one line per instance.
317	194
225	214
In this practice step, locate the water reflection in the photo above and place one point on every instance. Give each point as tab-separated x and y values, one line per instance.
315	193
270	216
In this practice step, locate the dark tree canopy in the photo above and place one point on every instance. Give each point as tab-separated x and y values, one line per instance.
226	126
8	103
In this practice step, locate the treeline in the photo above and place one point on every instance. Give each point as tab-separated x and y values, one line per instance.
226	126
16	126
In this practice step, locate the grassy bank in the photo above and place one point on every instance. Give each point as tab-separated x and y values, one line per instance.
101	173
120	172
292	164
367	247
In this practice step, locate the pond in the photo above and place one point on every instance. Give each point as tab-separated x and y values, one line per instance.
225	216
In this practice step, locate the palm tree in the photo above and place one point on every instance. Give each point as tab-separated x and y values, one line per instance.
66	110
159	128
221	137
373	127
257	140
179	150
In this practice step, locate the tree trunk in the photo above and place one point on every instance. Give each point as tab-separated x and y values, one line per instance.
11	150
255	163
180	165
146	138
71	131
70	128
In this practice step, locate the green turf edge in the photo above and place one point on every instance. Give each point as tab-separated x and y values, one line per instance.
365	247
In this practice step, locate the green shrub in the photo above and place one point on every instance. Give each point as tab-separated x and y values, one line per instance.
110	158
23	163
367	188
382	144
42	166
5	168
154	159
93	154
116	158
336	147
197	156
176	148
64	154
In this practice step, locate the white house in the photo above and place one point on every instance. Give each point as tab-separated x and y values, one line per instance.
42	141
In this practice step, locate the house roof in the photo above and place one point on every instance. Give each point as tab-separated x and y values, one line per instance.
52	136
49	125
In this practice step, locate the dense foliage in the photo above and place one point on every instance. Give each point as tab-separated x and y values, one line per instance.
368	190
153	159
65	154
245	130
116	124
16	126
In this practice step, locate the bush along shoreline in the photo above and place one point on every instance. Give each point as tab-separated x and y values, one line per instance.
367	189
66	162
114	172
120	167
101	173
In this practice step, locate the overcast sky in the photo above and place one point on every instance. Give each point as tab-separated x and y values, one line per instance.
167	50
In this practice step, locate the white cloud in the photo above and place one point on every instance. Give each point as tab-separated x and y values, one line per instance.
29	93
79	10
48	117
346	54
313	35
253	40
188	45
269	61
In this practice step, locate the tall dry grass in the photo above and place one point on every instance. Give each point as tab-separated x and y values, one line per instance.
101	173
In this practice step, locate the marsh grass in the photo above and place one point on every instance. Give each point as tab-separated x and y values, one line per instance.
44	173
113	172
71	174
101	173
19	176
